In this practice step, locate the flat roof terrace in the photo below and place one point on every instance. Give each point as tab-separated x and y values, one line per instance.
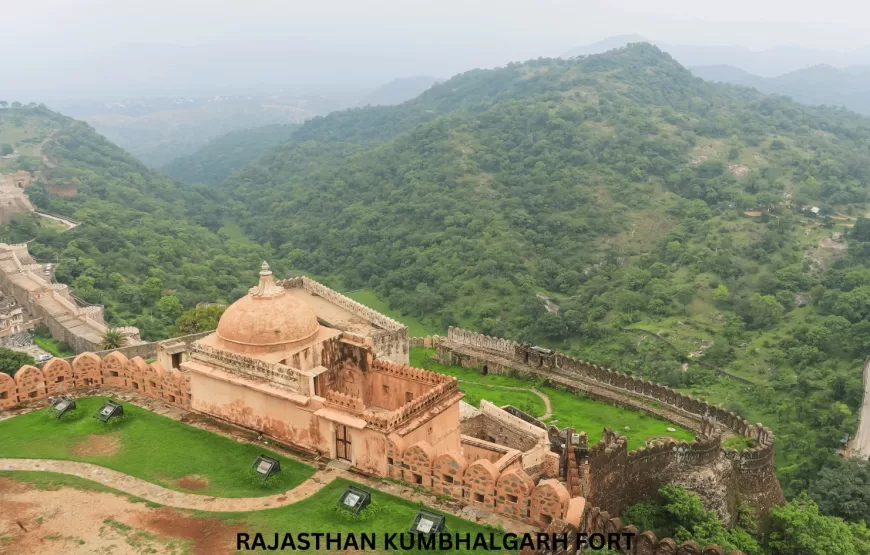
333	315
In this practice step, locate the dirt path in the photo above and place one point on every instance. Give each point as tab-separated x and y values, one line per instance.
861	443
69	521
170	498
68	223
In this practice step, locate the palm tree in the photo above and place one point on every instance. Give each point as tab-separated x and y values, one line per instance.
112	339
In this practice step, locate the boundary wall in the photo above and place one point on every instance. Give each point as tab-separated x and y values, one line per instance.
89	371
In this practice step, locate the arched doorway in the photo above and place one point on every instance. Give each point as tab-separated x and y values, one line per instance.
485	370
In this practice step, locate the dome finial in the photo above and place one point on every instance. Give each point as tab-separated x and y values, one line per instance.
267	286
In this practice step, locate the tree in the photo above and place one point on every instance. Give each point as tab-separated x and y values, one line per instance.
199	319
843	490
682	516
764	311
799	528
6	149
3	104
11	361
112	339
168	307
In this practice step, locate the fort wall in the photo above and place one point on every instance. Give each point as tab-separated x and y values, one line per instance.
147	351
503	486
613	478
88	371
81	327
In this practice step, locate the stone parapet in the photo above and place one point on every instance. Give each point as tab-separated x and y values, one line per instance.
88	372
616	478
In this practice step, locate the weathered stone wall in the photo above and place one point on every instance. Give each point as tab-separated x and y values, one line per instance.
512	431
81	327
484	426
479	483
145	350
88	371
616	478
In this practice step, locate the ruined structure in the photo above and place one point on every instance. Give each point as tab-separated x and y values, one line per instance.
274	366
13	199
23	279
12	319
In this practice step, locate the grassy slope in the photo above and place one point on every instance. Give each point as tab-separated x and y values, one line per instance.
582	413
151	447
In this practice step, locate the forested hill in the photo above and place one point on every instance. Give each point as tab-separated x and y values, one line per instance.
145	248
629	193
215	161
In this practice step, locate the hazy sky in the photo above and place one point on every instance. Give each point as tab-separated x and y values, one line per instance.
74	42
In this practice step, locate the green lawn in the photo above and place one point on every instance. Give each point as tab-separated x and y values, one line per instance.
50	345
593	416
147	446
416	328
318	513
569	409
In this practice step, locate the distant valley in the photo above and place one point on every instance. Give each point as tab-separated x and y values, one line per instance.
848	87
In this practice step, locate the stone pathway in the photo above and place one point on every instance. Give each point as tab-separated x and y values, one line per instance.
171	498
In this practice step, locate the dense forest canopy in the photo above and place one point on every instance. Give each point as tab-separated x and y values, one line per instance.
147	248
627	194
215	161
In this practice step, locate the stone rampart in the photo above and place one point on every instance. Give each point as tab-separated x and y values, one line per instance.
479	483
617	478
82	328
89	371
148	350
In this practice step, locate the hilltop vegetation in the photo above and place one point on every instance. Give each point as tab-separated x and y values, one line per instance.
627	192
821	84
146	249
214	162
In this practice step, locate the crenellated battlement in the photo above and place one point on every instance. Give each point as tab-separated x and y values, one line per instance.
409	372
616	478
344	401
89	371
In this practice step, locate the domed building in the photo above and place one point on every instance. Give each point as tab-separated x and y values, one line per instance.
277	365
